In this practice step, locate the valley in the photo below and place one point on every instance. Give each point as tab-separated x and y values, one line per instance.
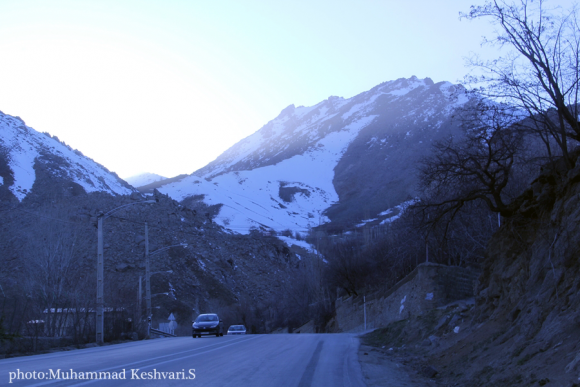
320	205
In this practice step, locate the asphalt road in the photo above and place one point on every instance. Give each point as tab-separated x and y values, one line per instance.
294	360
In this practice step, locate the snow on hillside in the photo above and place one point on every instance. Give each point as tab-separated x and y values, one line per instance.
24	145
252	198
144	179
282	176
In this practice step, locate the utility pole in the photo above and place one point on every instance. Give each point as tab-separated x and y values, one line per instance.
139	300
100	323
147	280
100	301
365	310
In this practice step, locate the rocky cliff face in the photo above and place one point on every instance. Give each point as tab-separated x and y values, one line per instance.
523	328
530	287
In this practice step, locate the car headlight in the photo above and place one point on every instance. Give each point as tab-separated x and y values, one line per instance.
194	325
214	325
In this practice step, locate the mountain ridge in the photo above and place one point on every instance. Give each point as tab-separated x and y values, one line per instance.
25	151
333	160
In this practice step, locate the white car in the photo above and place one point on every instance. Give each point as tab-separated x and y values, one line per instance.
237	330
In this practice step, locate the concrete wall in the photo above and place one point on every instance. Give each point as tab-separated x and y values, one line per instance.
429	286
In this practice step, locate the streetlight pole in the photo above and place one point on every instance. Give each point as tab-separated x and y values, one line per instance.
147	279
100	301
100	270
148	274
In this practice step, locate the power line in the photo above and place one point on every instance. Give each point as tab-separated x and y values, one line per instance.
300	230
196	234
153	226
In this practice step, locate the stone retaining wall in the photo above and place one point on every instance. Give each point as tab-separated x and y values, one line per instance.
429	286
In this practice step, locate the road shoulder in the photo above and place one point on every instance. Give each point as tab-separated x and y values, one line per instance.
379	368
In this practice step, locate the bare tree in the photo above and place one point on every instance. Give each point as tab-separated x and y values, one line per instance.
347	267
476	167
52	254
540	72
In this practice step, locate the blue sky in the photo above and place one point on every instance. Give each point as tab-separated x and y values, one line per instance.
166	86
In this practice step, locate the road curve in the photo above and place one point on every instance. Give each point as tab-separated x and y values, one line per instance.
293	360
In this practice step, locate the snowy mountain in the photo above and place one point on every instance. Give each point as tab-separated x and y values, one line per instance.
144	179
342	160
26	154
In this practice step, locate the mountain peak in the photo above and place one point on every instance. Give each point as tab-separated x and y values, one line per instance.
287	110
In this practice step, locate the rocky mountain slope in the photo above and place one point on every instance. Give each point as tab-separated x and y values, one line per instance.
24	151
524	327
343	160
53	245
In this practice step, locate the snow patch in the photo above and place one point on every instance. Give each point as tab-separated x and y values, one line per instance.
366	221
293	242
401	207
402	305
301	111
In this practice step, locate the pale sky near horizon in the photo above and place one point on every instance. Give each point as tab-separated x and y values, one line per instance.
167	86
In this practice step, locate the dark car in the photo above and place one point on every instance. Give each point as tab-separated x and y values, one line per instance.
207	324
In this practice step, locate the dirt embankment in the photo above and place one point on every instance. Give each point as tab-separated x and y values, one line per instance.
523	328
